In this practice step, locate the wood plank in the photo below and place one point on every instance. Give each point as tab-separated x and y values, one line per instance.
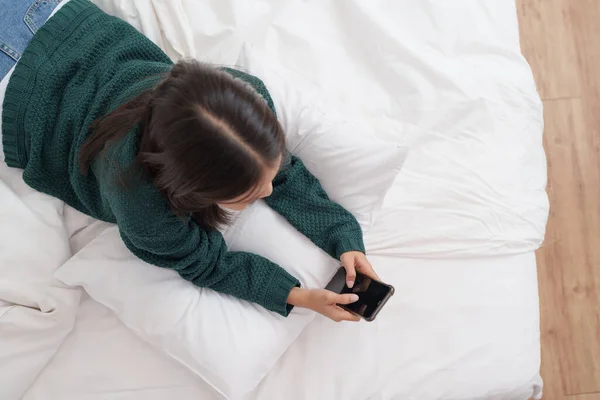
584	16
569	260
587	396
552	317
559	38
548	43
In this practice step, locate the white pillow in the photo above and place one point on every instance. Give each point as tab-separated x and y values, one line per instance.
354	167
230	343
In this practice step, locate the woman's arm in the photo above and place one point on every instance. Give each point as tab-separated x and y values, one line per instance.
299	197
156	235
202	258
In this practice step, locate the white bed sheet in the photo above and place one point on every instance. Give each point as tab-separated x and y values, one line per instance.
456	329
456	236
102	359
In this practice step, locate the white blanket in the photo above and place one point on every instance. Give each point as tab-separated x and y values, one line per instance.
36	310
445	77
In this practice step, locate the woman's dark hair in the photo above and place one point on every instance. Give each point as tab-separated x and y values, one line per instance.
205	137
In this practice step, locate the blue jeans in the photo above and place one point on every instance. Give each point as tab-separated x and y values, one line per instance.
19	20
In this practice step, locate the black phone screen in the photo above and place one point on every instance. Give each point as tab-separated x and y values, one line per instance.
370	293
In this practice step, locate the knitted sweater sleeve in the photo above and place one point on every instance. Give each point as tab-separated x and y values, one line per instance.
156	235
299	197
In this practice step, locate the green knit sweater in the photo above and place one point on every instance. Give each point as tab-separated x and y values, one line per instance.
81	65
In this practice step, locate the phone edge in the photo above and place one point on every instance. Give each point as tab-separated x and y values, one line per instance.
380	306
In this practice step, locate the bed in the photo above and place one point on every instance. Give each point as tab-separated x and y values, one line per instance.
456	234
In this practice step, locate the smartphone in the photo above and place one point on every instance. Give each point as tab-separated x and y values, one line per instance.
372	294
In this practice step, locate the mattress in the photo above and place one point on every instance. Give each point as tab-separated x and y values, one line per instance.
456	329
456	235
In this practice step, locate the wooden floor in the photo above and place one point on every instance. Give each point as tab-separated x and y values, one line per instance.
561	40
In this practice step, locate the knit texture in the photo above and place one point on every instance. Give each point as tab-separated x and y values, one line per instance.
81	65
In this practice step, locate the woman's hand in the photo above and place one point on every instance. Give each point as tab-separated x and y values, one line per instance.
356	261
325	302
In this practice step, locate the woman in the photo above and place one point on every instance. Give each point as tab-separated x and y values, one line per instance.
97	115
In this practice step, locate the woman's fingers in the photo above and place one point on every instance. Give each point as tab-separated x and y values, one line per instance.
336	313
347	298
353	261
348	261
342	315
365	267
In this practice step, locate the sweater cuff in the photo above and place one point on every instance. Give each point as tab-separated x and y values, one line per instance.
278	292
349	243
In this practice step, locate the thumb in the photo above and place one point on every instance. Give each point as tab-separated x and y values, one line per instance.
348	263
347	298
